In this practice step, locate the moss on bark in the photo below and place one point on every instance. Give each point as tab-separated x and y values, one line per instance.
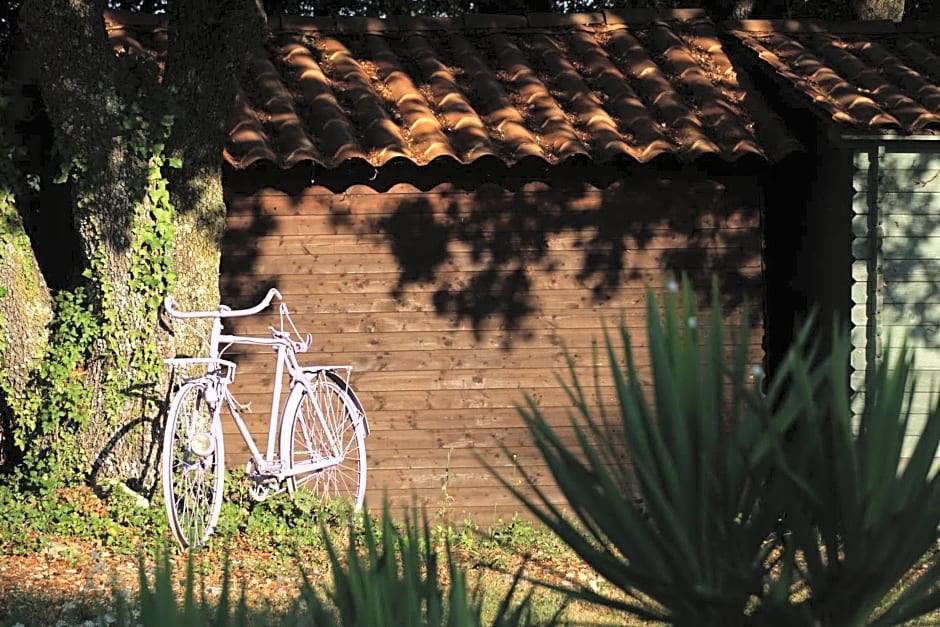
83	88
203	75
25	301
25	312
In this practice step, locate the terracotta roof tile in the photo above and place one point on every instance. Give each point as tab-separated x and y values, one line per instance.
874	77
600	86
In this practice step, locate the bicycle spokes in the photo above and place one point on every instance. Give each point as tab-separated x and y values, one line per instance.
325	428
305	433
194	487
191	465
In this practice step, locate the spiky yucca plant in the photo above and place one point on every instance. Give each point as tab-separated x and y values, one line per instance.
158	604
861	526
727	503
388	576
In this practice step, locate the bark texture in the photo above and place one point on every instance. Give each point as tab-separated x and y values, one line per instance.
210	44
868	10
88	99
25	304
77	75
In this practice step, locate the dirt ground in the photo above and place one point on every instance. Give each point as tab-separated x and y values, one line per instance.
71	582
75	582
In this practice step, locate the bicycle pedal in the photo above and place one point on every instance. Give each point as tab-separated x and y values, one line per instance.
269	471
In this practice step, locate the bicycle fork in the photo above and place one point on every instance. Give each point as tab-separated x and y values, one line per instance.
199	437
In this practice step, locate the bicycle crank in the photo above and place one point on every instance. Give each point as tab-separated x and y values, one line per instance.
262	485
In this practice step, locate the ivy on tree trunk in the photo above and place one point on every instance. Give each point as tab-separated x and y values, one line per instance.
78	77
95	396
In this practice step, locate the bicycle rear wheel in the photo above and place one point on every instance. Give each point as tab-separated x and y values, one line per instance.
193	466
303	439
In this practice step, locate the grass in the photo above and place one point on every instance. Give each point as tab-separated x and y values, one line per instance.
65	558
65	565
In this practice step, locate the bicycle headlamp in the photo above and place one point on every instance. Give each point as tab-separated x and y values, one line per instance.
201	444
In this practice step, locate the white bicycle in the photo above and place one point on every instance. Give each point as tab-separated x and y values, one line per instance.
317	442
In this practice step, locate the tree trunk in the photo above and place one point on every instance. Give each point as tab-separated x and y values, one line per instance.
210	45
76	70
108	123
25	302
89	106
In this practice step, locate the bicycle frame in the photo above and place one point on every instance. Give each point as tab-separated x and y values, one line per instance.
286	349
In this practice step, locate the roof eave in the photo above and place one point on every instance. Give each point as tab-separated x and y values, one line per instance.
853	139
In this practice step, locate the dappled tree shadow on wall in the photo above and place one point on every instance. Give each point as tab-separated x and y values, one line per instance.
909	265
602	241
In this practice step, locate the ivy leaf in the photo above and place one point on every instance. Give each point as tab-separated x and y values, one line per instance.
157	197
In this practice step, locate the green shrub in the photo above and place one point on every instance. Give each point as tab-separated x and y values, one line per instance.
29	520
718	502
862	520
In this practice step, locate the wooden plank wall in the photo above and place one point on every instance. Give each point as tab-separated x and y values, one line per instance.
895	291
452	304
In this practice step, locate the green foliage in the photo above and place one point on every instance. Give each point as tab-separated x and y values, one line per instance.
861	517
159	604
59	403
499	545
393	579
65	523
150	276
153	233
521	535
281	522
103	356
30	521
744	504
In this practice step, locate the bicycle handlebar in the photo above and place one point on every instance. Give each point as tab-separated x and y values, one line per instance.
169	304
298	346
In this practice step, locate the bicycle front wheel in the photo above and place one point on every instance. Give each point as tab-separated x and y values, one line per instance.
193	466
326	422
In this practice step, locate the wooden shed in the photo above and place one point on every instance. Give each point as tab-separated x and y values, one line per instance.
866	99
449	204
